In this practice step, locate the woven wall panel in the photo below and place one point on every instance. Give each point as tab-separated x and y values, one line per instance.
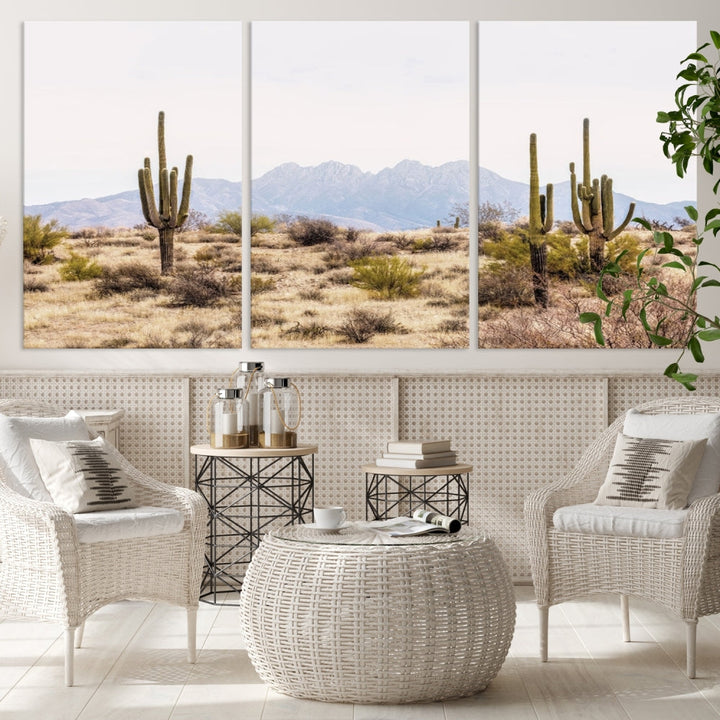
627	392
518	433
153	431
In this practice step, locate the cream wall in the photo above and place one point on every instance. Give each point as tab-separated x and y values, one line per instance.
14	358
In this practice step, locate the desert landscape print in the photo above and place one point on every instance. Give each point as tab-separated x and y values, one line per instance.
360	198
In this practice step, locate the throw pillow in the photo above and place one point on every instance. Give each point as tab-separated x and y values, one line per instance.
684	427
18	463
81	476
651	472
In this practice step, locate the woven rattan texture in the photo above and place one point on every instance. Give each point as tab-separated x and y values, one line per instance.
152	431
518	433
377	623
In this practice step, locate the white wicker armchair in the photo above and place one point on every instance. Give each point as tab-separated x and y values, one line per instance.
682	574
46	574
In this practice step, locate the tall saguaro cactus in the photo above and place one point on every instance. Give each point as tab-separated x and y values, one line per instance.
168	216
540	224
597	217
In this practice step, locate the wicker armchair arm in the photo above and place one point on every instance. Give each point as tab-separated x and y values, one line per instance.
702	542
153	492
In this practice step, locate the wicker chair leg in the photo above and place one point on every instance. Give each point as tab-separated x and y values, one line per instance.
543	617
691	634
69	656
192	634
625	612
79	634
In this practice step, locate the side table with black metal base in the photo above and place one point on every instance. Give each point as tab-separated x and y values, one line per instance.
247	492
393	491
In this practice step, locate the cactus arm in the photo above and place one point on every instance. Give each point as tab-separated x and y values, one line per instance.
535	217
173	197
548	218
624	224
184	209
607	204
586	153
146	189
164	189
161	141
574	194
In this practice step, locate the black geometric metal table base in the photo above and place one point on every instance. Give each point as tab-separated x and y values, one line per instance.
245	495
389	494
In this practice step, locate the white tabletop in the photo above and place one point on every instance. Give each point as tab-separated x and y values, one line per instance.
209	450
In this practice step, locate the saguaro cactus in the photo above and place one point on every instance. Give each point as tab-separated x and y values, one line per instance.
598	213
169	215
540	224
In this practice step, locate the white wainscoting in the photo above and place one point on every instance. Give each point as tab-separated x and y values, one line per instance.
518	432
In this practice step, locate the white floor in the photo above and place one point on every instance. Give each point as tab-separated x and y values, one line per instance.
133	667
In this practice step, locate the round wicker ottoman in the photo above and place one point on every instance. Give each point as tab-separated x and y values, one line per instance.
355	616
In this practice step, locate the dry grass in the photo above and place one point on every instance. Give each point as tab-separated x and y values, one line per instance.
303	297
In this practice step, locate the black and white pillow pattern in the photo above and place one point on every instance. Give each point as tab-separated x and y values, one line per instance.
651	472
81	477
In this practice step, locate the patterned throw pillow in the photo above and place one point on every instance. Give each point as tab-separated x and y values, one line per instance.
651	473
80	475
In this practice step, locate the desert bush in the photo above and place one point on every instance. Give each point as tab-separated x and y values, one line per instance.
452	325
505	285
35	284
360	325
510	248
260	319
40	239
127	277
264	264
312	231
260	284
196	221
310	331
387	278
341	252
339	276
566	259
628	242
230	222
198	287
312	294
195	334
78	267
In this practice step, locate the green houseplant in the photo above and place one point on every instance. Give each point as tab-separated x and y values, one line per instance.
693	130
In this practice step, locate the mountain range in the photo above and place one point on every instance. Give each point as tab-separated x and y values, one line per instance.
408	195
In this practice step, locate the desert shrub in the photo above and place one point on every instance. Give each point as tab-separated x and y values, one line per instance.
341	252
566	259
312	231
260	284
230	222
505	285
631	244
195	334
264	264
310	331
198	287
313	294
78	267
387	278
339	276
196	221
40	239
34	284
260	319
148	235
360	325
127	277
510	248
453	325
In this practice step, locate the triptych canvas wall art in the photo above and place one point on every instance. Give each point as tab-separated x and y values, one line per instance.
362	153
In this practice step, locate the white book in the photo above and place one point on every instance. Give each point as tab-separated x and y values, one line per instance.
418	446
393	462
421	456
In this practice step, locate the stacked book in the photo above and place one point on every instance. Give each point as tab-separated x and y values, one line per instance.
417	454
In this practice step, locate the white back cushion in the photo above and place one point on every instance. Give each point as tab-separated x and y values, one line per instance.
684	427
21	470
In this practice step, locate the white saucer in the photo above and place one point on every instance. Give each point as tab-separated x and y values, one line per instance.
313	526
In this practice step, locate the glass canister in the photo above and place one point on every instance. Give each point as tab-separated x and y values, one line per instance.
281	413
226	419
251	381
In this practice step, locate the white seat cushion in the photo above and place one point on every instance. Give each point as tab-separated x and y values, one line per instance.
144	521
595	519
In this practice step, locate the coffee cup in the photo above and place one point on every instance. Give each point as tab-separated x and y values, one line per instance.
328	517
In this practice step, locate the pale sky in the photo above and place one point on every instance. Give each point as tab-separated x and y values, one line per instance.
365	93
92	95
545	77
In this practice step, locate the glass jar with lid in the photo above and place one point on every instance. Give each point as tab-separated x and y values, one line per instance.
251	381
281	413
226	420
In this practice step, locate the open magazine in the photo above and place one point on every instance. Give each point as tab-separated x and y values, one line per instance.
422	522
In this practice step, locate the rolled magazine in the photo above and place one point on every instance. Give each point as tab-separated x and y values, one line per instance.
449	524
